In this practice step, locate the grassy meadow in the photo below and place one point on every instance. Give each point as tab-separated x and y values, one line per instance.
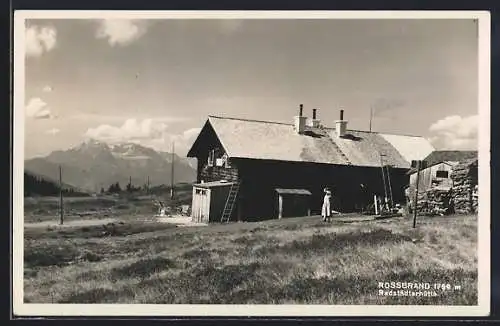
289	261
123	206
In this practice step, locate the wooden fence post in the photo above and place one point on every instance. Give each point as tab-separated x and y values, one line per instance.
416	196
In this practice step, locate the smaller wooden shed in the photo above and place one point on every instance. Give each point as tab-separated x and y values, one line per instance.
209	200
293	202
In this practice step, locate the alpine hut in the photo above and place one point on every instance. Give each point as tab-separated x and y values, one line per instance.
250	170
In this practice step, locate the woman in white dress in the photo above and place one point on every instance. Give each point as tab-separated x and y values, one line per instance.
326	210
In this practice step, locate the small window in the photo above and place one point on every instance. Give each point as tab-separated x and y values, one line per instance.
211	157
197	191
442	174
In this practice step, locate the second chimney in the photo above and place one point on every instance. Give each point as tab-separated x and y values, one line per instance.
314	122
341	125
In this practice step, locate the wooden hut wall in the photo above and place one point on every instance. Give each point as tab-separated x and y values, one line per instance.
217	203
260	178
428	175
207	142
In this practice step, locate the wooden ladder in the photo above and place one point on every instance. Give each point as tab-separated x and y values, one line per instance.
230	201
386	176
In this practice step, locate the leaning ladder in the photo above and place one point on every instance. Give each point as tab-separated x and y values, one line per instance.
230	201
387	186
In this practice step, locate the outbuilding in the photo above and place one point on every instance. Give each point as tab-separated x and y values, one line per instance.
293	202
209	199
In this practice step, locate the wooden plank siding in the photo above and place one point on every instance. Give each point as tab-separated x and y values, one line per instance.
260	178
257	198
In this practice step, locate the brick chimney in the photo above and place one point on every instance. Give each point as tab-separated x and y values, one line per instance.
341	125
300	121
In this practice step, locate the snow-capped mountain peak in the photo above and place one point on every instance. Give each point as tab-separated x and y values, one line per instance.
94	164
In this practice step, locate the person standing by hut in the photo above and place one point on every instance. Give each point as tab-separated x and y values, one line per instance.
326	210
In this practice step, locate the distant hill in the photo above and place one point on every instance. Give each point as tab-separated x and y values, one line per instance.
94	165
36	185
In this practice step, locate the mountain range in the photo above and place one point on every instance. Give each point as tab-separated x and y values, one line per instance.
93	165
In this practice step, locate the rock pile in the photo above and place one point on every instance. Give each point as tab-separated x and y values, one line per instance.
465	184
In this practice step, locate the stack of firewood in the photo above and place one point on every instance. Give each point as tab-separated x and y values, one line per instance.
435	201
475	198
438	201
464	176
422	202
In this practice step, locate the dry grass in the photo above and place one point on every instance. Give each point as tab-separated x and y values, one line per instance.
41	209
290	261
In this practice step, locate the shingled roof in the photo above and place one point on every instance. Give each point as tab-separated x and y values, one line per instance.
242	138
449	156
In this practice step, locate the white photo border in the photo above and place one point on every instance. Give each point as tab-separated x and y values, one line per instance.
482	309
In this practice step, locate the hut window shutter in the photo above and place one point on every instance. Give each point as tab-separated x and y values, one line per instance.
211	157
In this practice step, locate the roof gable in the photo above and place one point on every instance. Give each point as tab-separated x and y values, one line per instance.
206	135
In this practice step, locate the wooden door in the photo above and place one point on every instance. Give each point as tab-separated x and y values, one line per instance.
197	209
204	205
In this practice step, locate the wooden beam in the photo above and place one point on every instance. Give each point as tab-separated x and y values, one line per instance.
61	202
416	195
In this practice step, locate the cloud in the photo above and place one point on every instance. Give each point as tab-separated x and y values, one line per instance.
185	140
37	109
47	89
120	32
53	131
191	134
148	132
455	132
39	40
130	130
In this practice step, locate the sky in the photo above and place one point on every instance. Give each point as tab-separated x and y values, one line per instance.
156	81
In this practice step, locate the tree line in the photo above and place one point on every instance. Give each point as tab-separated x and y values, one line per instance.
39	186
115	188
